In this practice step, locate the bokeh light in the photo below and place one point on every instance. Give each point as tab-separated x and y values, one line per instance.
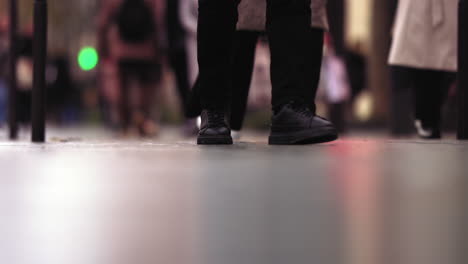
88	58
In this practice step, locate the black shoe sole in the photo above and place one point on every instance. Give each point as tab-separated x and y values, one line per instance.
214	140
304	137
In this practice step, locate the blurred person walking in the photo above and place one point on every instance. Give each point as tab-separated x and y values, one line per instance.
4	49
295	68
188	13
335	84
424	58
178	52
132	28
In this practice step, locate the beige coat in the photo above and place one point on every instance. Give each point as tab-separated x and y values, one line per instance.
252	14
425	35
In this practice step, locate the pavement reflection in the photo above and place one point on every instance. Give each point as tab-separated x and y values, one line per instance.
357	201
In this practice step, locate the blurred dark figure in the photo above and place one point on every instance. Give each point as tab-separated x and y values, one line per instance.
178	57
177	50
335	84
3	66
63	97
60	96
128	36
357	69
188	12
424	58
25	75
402	120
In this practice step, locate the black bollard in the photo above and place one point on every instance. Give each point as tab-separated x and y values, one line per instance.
12	101
39	87
463	70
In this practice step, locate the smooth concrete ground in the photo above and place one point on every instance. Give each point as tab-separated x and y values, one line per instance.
85	197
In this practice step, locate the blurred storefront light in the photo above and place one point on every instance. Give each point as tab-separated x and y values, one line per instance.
364	107
88	58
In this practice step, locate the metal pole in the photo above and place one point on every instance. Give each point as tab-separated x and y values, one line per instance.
463	70
12	101
39	86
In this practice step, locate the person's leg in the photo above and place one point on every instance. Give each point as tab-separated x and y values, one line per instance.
430	90
124	100
217	21
242	70
194	107
177	51
401	87
216	27
296	55
420	93
149	77
296	51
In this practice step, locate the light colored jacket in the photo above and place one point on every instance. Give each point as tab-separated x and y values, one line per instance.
425	35
252	14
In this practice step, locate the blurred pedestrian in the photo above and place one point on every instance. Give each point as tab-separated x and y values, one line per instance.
424	57
4	49
128	32
296	50
335	85
177	35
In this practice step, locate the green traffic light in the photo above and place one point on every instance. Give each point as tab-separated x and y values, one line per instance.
88	58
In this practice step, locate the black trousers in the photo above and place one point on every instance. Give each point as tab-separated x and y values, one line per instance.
295	64
245	44
429	89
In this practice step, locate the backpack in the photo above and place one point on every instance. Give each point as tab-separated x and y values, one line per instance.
135	21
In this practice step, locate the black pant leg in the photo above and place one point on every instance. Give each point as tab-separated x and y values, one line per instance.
242	70
216	27
430	91
296	51
178	60
194	107
316	49
401	104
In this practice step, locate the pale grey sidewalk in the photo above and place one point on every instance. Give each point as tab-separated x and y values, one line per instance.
89	198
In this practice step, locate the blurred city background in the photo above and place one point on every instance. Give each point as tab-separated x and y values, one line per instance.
84	80
99	193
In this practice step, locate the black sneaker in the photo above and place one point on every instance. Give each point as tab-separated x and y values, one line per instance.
296	124
214	129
